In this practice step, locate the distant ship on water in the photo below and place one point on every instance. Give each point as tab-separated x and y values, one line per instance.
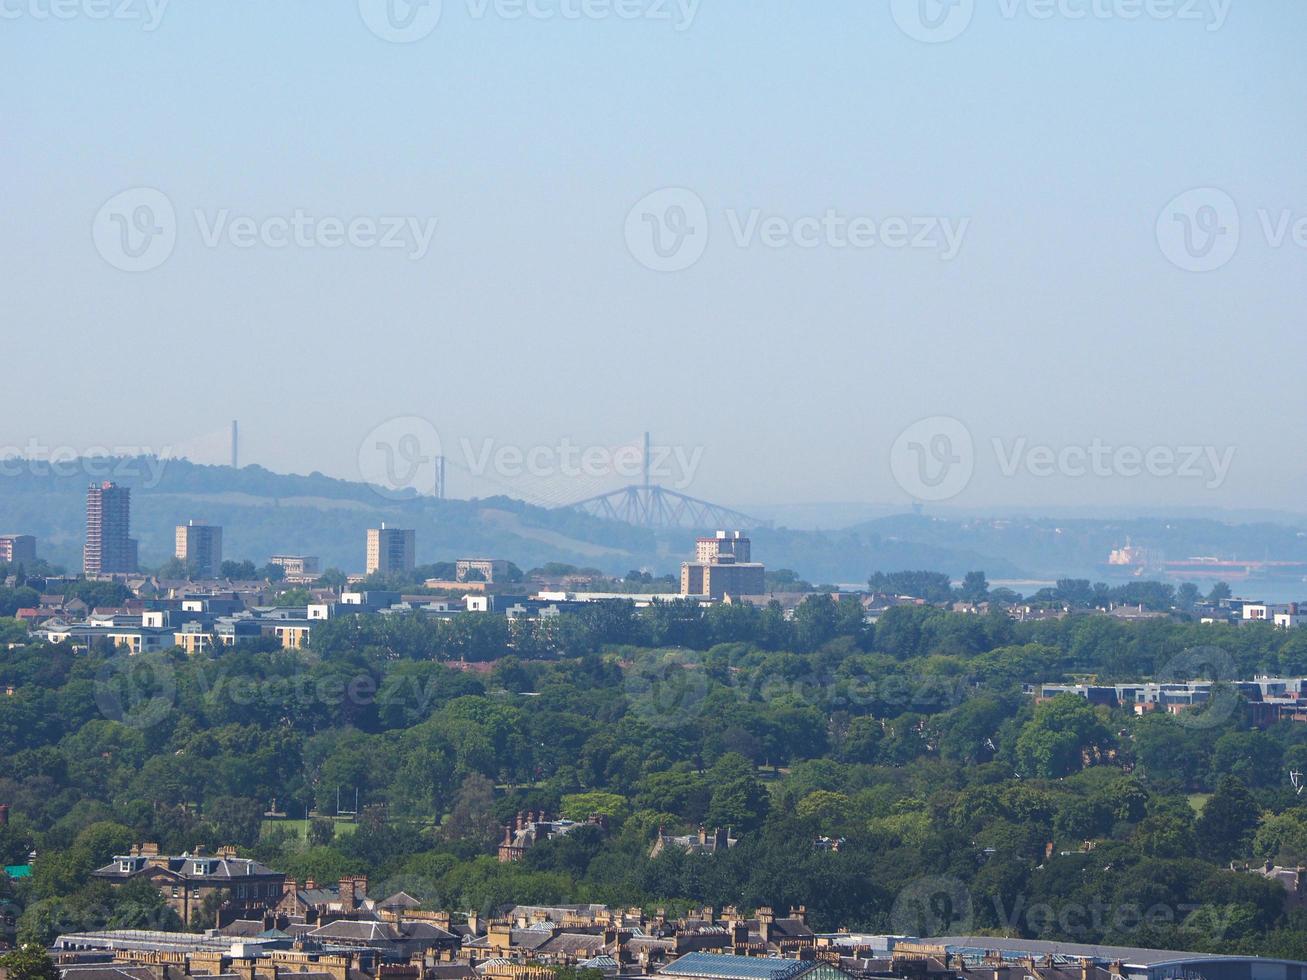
1139	562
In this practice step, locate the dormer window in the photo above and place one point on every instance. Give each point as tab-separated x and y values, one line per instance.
200	867
126	865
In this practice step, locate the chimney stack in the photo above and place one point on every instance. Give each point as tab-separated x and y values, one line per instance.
347	898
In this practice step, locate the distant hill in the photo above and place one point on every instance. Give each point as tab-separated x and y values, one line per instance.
263	513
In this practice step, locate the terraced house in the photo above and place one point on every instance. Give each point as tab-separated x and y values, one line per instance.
234	887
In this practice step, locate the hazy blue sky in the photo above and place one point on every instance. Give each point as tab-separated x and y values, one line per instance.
1053	138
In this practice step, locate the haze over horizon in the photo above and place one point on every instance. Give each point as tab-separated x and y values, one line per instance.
1034	335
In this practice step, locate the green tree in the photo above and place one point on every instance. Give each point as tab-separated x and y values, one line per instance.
239	570
974	588
472	822
29	962
931	586
236	819
1228	820
815	621
178	568
1282	838
1062	732
333	578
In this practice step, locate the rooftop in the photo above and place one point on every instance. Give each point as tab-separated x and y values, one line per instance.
727	967
1015	948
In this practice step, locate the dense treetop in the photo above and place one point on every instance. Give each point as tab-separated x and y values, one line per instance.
911	743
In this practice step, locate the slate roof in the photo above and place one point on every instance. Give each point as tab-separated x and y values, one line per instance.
784	928
355	931
105	971
573	944
531	939
401	900
242	927
424	930
318	896
650	942
182	865
450	971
